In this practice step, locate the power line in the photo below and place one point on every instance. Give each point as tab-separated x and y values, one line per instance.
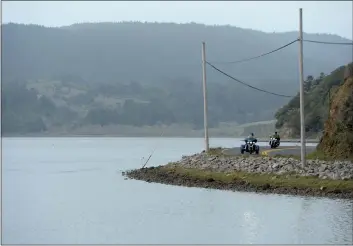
280	95
282	47
255	57
322	42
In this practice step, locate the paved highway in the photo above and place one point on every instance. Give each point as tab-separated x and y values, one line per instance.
267	151
290	140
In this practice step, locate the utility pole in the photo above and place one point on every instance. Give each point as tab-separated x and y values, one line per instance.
301	80
204	95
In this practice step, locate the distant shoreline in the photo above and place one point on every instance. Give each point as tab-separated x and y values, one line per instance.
261	139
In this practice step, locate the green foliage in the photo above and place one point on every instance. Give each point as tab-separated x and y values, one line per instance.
125	104
18	109
317	98
216	151
287	180
151	52
144	74
26	111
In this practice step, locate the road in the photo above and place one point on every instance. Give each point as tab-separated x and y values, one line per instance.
290	140
267	151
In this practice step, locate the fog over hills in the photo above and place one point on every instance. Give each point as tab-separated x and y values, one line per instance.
161	62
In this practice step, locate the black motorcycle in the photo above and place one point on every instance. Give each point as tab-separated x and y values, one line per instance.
274	142
250	146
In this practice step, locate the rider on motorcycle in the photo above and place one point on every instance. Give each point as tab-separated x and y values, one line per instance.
251	137
276	136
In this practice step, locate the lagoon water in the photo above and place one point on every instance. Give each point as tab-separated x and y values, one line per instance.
71	191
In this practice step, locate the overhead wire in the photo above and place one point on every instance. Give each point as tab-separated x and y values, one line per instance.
282	47
262	55
246	84
148	159
255	57
323	42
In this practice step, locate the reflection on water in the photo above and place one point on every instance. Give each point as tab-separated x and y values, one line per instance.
250	227
71	190
337	214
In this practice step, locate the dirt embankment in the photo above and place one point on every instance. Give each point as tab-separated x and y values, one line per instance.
337	141
254	174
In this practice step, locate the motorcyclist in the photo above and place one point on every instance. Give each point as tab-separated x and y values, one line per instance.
276	136
251	137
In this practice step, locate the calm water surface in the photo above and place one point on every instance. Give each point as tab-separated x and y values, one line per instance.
70	190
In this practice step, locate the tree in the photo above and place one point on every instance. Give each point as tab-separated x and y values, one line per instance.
308	83
317	103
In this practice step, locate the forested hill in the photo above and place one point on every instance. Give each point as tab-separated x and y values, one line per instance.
148	74
319	92
153	52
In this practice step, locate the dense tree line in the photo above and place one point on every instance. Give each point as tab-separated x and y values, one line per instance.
153	52
176	102
153	69
318	95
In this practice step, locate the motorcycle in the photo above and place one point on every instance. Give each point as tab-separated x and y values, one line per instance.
274	143
250	147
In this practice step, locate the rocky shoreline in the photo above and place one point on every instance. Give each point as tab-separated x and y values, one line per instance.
279	175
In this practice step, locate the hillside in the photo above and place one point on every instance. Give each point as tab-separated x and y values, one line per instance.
318	97
154	52
337	141
146	74
40	105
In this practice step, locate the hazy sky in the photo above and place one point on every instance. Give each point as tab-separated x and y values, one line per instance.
333	17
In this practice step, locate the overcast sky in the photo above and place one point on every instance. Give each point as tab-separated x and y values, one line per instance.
334	17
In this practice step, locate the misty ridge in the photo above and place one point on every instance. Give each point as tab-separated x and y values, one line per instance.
149	74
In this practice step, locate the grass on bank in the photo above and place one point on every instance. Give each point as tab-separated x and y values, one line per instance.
316	155
218	151
289	180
